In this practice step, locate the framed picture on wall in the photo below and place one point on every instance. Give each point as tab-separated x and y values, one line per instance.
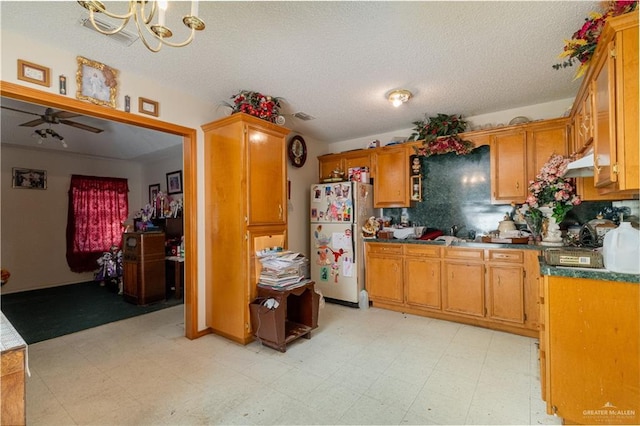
29	178
96	82
153	191
174	182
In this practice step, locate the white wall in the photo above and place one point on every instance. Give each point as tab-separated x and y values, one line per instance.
34	221
154	172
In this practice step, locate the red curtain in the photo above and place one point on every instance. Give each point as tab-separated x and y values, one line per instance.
97	208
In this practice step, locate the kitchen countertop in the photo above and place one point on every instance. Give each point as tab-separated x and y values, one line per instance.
9	337
590	273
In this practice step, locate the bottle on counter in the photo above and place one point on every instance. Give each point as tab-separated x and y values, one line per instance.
620	249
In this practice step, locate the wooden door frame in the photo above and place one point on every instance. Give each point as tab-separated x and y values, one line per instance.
189	150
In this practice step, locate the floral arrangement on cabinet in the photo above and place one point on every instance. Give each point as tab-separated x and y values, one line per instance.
255	103
583	43
162	206
551	189
440	135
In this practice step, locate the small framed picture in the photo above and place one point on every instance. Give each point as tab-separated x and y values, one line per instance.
29	178
153	191
147	106
34	73
96	82
174	182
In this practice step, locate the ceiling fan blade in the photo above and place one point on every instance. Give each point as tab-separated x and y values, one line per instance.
19	110
81	126
33	123
65	114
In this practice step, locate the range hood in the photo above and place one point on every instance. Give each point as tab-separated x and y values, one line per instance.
581	167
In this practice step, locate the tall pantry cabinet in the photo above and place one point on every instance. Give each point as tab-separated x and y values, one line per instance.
245	210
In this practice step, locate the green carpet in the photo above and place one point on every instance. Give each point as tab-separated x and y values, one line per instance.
44	314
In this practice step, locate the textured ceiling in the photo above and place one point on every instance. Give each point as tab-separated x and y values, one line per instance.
337	60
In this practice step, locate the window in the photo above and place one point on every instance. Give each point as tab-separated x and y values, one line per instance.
97	208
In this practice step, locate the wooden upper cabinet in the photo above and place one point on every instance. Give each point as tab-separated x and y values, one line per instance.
582	124
391	182
544	140
266	177
328	163
605	136
357	159
612	80
518	154
508	166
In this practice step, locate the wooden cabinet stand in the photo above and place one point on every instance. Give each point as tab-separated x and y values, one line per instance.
246	210
295	316
144	267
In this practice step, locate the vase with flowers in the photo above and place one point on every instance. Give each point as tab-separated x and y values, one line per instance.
440	135
551	196
255	103
583	43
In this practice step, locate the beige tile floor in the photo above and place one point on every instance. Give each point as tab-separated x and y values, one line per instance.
360	367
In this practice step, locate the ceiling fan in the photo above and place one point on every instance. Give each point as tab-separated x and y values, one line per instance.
55	117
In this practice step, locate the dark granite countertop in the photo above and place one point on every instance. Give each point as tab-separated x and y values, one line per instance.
590	273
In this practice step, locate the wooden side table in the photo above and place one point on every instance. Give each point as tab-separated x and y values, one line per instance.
295	315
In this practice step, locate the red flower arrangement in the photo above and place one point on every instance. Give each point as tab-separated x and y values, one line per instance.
258	105
440	135
584	41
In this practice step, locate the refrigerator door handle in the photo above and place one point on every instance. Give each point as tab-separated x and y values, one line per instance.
353	243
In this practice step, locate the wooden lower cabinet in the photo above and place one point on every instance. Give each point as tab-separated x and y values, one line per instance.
505	285
385	272
591	352
422	276
463	288
490	288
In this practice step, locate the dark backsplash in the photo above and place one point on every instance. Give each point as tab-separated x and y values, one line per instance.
457	191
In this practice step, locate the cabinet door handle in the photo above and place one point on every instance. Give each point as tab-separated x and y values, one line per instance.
517	185
280	211
596	164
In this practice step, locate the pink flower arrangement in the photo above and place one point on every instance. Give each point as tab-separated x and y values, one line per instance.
551	189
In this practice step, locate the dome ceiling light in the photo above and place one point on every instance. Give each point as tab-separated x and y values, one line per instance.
399	96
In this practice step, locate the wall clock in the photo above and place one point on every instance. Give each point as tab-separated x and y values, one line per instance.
297	151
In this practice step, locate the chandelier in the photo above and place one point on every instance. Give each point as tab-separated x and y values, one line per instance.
142	15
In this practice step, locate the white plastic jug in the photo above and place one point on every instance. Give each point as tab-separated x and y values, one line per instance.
363	301
621	249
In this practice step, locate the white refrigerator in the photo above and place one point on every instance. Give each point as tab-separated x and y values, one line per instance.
338	211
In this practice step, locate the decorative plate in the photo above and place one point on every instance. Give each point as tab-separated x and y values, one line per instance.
297	151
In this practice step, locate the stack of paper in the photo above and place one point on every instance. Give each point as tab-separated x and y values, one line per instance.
282	269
